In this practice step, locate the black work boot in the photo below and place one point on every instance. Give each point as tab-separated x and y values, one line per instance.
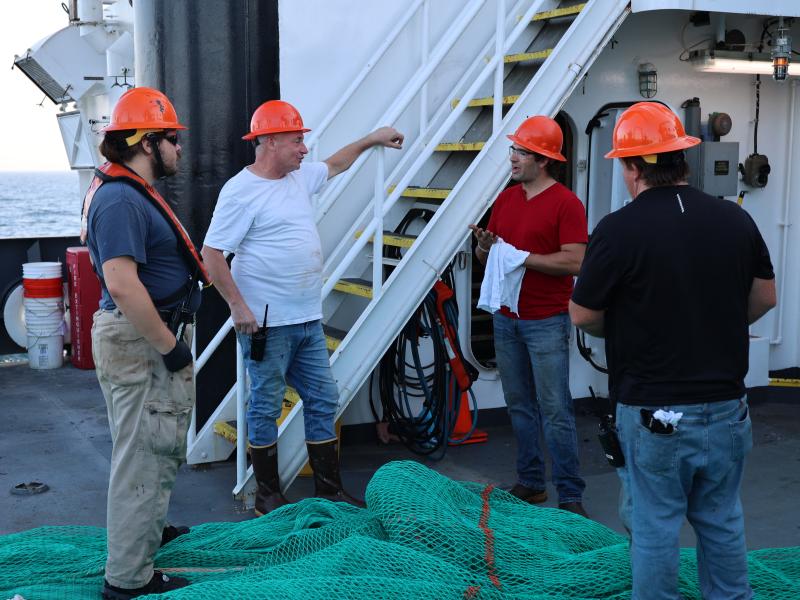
170	532
158	584
265	469
324	460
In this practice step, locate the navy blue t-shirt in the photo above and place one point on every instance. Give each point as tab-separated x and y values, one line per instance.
123	222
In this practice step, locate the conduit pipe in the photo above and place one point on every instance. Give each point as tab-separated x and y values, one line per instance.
777	336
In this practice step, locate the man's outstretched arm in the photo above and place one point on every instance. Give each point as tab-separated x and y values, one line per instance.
341	160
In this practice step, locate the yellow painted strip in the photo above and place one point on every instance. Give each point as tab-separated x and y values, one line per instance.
487	101
291	396
776	382
460	147
419	192
558	12
332	343
399	241
514	58
225	430
356	289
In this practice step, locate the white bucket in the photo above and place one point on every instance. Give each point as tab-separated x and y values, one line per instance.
44	314
46	329
45	352
42	270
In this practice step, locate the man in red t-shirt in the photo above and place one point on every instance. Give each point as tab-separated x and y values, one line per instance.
546	219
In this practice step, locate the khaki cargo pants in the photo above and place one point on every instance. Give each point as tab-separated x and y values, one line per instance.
149	410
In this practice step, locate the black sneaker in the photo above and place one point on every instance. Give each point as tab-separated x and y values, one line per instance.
170	532
158	584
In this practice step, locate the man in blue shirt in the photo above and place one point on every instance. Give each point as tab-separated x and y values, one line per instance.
149	271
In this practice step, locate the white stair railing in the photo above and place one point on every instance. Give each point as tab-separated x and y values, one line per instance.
394	300
494	65
380	322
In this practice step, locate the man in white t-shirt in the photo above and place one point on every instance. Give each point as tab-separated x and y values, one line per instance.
265	215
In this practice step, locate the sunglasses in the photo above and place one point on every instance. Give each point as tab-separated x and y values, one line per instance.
513	150
155	138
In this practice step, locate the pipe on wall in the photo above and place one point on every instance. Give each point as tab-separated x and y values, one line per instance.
784	224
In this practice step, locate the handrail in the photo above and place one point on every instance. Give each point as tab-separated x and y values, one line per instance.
241	424
413	150
213	345
316	133
428	149
403	100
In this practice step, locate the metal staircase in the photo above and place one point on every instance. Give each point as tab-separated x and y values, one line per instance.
454	164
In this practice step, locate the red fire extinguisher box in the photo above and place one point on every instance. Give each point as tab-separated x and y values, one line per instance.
84	299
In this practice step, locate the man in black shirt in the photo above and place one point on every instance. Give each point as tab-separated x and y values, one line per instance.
672	281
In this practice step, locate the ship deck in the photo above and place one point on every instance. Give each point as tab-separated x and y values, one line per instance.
54	430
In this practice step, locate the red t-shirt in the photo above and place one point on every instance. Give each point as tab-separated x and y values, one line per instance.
541	225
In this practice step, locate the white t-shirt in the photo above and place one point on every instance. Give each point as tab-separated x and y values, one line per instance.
270	225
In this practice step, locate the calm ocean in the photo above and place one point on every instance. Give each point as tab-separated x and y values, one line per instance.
37	204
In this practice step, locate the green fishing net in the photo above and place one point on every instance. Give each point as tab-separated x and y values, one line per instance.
423	536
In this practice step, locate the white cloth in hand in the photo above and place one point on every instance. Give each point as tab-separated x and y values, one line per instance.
502	280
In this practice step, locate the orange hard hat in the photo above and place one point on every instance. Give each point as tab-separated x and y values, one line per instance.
143	108
647	129
275	116
541	135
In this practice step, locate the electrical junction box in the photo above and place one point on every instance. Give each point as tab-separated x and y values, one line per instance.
719	168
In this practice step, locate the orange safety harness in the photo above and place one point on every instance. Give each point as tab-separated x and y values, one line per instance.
116	172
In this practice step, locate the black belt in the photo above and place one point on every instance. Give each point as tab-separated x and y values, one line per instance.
185	318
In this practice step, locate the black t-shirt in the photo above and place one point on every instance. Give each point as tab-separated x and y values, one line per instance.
673	271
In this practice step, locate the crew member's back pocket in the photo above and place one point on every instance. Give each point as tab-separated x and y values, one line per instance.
741	436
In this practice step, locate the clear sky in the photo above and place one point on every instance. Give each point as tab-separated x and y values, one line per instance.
31	139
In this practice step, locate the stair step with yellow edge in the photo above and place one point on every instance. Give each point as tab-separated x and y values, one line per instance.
355	286
488	101
556	13
333	337
390	238
429	195
526	56
460	147
227	430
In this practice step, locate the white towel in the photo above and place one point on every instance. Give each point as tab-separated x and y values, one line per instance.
503	278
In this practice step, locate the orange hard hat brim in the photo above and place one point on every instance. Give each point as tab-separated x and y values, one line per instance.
254	134
681	143
537	149
143	125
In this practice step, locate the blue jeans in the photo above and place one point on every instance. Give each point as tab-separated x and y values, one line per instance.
533	361
296	354
695	472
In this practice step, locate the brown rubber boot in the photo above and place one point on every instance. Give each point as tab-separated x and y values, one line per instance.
324	460
265	469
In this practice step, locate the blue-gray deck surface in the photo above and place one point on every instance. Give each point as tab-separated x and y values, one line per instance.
53	429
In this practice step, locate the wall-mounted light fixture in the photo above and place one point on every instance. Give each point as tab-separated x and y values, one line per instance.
648	80
725	61
781	52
